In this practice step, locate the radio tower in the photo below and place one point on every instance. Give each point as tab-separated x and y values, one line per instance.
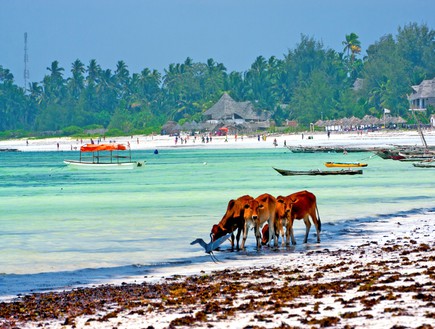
26	61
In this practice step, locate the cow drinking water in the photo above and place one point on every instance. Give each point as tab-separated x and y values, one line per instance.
234	218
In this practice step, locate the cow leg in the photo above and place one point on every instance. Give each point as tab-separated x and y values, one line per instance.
272	233
292	235
245	234
287	232
279	228
239	232
283	235
316	225
232	241
258	235
307	227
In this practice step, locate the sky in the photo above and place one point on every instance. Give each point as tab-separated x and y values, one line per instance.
156	33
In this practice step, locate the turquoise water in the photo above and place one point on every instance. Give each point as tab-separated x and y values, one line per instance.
54	219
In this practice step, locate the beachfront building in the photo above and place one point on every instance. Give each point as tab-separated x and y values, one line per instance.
368	122
423	95
236	115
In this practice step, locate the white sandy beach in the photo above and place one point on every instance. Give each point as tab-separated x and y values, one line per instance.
140	142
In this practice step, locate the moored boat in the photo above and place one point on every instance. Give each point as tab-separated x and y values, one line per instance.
345	164
326	149
103	157
425	164
317	172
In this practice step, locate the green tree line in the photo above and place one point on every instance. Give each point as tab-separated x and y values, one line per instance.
309	83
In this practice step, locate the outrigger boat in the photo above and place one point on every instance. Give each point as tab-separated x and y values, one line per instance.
102	157
345	164
316	172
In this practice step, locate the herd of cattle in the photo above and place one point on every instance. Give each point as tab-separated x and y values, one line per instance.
274	213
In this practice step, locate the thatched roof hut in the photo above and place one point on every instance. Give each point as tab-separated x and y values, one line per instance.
227	109
171	128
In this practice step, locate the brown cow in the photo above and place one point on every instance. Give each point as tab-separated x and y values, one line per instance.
261	210
299	205
234	218
280	215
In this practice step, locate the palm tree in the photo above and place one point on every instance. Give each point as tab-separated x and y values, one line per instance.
6	76
76	83
352	46
122	78
54	83
93	70
56	71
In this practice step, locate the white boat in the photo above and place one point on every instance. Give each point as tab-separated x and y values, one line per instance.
104	166
103	157
425	164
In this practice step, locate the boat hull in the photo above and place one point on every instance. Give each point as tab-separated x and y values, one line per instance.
345	164
317	172
424	164
102	166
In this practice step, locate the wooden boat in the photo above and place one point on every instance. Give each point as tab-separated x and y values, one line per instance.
345	164
326	149
9	150
285	172
103	157
425	164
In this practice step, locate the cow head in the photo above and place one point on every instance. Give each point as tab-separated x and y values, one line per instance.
284	206
252	209
217	231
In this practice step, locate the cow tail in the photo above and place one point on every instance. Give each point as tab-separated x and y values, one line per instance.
318	217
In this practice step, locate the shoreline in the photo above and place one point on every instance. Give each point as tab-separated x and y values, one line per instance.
152	142
382	281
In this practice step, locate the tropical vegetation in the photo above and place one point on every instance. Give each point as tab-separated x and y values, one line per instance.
309	83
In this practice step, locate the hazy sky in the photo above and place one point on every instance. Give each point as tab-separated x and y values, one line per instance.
155	33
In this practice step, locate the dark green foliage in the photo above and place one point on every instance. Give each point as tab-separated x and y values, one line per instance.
309	83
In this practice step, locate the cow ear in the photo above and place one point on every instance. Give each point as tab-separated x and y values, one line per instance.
280	199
